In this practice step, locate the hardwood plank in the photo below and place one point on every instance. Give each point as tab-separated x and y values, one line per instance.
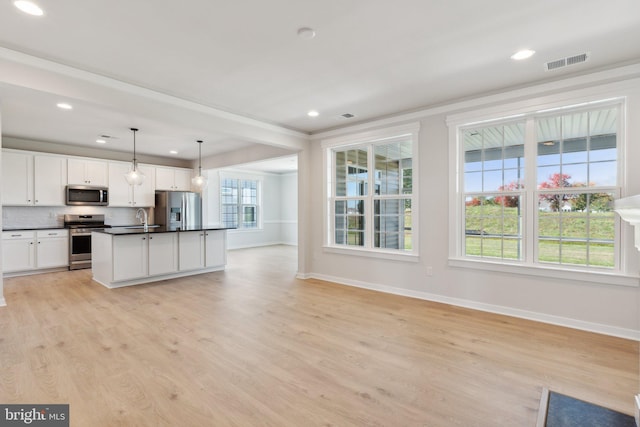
252	345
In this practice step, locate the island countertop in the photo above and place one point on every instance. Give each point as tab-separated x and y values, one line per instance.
155	229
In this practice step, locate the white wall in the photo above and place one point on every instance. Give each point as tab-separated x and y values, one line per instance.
600	307
279	200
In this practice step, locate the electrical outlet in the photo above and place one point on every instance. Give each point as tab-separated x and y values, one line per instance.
429	271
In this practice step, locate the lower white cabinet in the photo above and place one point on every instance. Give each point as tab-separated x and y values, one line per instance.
28	250
215	248
119	259
130	257
191	244
163	253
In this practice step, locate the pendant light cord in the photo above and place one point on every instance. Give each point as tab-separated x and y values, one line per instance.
134	148
199	158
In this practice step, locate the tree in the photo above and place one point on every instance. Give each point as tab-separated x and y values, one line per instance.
509	201
557	180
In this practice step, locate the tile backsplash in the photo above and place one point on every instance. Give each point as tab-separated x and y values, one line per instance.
43	216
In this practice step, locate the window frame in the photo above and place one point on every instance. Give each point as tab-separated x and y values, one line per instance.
240	204
530	264
369	140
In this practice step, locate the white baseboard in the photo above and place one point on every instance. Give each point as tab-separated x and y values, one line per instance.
636	411
491	308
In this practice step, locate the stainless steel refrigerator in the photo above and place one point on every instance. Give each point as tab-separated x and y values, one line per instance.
178	209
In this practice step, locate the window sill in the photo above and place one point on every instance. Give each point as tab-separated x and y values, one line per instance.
562	273
370	253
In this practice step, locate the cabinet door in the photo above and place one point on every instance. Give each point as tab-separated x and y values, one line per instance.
17	179
164	179
120	192
75	172
216	248
191	250
130	257
50	177
87	172
182	179
52	251
144	195
163	253
97	173
18	252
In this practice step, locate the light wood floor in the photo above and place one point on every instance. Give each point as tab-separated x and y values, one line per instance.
254	346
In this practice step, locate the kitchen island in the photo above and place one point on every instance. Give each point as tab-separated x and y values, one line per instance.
125	256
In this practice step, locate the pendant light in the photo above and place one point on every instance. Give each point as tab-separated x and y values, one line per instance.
199	182
134	176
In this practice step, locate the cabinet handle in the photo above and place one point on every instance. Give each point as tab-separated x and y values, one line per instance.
16	235
53	234
144	238
36	201
31	243
150	237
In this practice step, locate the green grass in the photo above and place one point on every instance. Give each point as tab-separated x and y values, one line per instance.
558	229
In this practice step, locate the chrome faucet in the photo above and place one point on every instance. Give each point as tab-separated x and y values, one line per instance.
144	220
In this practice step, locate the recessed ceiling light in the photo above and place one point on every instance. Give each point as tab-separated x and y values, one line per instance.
173	152
64	106
29	7
523	54
313	113
101	141
306	33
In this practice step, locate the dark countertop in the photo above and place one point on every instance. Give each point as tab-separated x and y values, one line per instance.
119	231
55	227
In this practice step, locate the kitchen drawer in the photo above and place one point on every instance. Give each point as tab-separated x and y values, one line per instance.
43	234
17	234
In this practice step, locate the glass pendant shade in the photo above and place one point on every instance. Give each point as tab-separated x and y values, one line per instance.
199	182
134	176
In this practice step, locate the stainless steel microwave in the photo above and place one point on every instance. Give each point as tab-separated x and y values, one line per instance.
85	195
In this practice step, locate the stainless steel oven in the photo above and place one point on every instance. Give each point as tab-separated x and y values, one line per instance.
80	228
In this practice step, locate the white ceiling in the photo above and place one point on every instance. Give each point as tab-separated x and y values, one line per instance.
235	74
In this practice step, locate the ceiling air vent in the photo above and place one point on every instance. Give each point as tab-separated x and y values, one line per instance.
565	62
347	116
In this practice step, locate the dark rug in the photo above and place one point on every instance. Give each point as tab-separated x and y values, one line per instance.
565	411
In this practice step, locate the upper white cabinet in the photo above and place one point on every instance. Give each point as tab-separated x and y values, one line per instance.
50	178
30	180
88	172
121	194
17	179
173	179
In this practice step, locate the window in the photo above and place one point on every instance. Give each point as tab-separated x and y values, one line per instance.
239	203
371	193
537	190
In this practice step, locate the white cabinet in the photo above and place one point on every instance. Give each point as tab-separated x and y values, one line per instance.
163	253
202	249
18	251
17	179
25	250
130	257
52	248
173	179
215	248
87	172
29	180
50	178
191	249
121	194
